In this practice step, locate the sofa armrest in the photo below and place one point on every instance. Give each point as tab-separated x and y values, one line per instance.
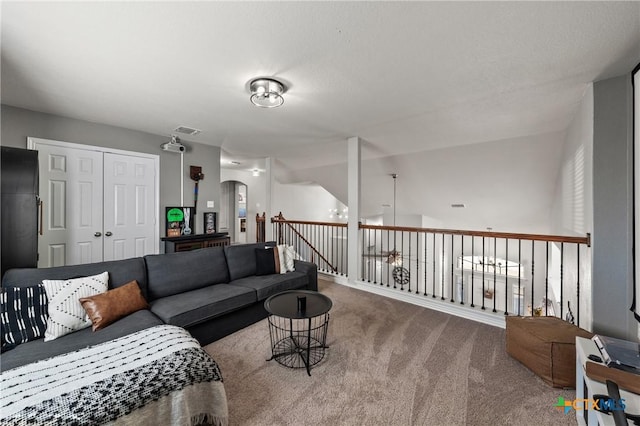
310	269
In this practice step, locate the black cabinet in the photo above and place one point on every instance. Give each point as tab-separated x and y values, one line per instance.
19	212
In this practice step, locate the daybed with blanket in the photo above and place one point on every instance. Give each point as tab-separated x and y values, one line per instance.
139	365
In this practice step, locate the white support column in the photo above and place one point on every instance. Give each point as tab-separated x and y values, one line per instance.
353	196
268	192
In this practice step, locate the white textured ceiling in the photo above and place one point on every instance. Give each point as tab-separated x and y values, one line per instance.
407	77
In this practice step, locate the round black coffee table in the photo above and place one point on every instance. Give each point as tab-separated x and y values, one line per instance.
298	327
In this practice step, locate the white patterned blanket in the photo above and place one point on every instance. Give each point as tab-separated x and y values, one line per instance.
160	375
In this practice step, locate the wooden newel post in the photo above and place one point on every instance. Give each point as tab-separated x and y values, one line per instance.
260	227
279	221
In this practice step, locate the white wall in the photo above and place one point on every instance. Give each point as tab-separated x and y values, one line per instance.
308	202
18	124
418	221
572	210
409	220
612	242
256	196
507	185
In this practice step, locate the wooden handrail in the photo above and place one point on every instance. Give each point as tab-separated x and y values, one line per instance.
282	220
278	219
507	235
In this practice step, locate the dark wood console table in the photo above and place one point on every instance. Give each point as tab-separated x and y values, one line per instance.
194	242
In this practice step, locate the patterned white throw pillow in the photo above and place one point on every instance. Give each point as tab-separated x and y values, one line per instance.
66	313
282	256
290	256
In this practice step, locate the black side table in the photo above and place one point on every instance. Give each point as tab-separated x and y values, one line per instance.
298	327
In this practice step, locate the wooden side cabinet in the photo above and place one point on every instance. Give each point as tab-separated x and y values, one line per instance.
195	242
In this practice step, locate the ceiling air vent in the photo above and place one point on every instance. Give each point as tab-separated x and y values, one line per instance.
458	206
186	130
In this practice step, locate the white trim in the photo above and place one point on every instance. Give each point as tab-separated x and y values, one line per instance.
32	142
182	180
354	187
488	318
636	185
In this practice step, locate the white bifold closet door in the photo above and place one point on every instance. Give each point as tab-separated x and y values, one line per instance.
71	193
129	216
96	205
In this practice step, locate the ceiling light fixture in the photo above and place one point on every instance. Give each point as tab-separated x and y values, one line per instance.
266	92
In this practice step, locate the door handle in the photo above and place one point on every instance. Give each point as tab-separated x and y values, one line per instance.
97	234
40	204
108	233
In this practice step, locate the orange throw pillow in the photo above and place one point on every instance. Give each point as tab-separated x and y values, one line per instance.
108	307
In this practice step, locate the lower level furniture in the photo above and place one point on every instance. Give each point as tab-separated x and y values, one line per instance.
298	325
546	345
195	242
587	387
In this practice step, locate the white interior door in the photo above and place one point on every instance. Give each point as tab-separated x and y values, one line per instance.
71	190
129	206
99	204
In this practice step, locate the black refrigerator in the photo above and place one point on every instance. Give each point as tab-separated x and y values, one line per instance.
19	219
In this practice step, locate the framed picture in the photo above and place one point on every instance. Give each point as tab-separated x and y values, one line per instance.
180	221
210	222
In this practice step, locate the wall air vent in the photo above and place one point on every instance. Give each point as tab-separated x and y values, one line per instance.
458	206
186	130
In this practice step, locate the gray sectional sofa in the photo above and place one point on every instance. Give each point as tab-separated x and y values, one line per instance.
210	292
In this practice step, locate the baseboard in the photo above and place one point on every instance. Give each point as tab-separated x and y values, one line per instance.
489	318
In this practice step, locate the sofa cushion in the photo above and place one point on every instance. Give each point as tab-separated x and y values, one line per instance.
24	315
193	307
39	349
241	259
120	273
267	285
105	308
175	273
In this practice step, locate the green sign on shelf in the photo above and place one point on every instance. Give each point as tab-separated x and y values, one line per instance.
175	215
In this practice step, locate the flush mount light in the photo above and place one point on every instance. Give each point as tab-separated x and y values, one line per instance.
266	93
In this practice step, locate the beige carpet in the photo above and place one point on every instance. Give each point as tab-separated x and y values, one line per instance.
389	363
